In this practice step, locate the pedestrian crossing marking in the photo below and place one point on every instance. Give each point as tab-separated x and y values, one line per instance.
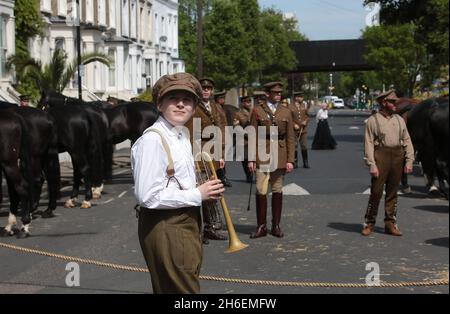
353	128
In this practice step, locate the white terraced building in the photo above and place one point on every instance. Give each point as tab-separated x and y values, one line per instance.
140	35
7	48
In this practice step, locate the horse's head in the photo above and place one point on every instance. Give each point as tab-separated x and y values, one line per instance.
52	99
404	105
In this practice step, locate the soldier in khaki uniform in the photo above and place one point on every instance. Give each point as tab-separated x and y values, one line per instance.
387	147
300	110
219	102
267	114
209	115
242	118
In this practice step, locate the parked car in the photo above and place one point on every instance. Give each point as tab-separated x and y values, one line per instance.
338	104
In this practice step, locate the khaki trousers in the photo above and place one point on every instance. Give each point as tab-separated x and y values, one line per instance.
390	163
171	244
275	179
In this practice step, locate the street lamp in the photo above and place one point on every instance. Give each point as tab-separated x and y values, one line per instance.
77	23
331	84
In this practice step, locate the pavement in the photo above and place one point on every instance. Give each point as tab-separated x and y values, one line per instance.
322	219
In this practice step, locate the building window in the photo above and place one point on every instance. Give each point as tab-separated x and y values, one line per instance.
112	14
3	48
101	12
149	23
112	69
148	67
60	43
62	7
46	5
90	11
125	19
175	68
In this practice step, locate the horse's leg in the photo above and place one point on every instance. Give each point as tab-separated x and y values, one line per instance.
109	152
70	203
442	174
84	171
18	193
53	175
37	181
1	186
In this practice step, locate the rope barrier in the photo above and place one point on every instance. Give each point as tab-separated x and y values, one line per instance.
430	283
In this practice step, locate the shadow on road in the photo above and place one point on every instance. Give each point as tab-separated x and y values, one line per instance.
438	242
356	228
440	209
245	229
349	138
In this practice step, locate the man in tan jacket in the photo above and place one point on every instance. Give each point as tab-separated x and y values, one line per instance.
267	114
387	146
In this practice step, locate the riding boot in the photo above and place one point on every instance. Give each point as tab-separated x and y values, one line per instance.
209	232
261	216
305	159
277	203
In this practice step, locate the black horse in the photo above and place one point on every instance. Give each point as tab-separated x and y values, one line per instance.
38	160
428	126
79	134
14	161
96	109
130	120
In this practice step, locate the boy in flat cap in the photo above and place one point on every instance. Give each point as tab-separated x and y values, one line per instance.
272	113
165	187
208	113
388	148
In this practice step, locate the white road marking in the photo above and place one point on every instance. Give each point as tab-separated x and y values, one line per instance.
122	171
353	128
122	194
107	202
294	189
367	192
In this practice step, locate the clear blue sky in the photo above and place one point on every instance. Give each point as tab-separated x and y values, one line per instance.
325	19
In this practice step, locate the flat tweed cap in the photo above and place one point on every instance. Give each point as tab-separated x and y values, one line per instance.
179	81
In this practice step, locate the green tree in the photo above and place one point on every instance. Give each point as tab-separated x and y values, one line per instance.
54	76
276	55
188	33
242	44
28	22
431	19
397	55
224	57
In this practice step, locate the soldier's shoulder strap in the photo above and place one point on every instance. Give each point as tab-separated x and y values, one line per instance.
170	168
379	135
400	129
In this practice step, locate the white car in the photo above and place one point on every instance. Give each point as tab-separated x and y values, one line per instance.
338	104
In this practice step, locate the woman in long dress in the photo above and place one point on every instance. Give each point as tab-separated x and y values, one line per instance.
323	139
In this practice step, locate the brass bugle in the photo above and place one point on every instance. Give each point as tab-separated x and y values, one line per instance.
234	244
